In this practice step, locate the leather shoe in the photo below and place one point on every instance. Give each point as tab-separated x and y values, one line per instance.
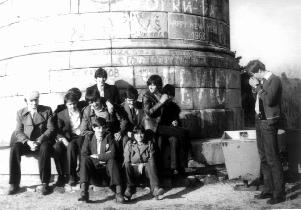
158	191
45	189
273	201
84	196
73	180
60	181
119	198
129	192
263	196
13	189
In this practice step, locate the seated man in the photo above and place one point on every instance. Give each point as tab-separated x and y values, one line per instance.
68	139
98	152
114	115
171	133
134	111
139	160
33	135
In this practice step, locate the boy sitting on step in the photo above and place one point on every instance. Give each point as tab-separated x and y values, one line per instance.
139	160
98	152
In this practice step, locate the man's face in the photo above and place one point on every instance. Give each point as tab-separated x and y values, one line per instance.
152	88
259	75
100	81
99	131
139	136
71	105
32	103
130	102
96	105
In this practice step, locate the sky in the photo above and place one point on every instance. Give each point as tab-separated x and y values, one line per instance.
268	30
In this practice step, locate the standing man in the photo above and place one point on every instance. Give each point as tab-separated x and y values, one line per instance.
267	107
105	90
34	135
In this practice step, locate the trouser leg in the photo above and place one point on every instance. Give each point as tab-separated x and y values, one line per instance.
59	150
152	174
174	143
130	175
72	154
113	172
273	161
17	150
45	153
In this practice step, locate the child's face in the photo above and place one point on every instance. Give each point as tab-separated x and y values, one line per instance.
99	131
139	136
152	88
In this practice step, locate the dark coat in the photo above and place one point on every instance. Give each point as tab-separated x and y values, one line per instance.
270	94
170	112
117	121
63	124
81	105
107	152
135	119
134	153
152	111
39	129
110	92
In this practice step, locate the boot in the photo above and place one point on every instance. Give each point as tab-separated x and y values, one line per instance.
158	191
119	196
45	189
129	192
13	189
60	181
84	194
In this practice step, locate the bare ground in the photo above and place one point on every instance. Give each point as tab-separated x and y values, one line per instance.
220	195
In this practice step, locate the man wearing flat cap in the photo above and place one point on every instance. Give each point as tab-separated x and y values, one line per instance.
33	135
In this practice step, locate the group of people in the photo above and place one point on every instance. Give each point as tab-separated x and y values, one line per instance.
101	138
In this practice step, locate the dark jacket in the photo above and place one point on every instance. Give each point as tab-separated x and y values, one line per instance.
107	150
270	94
117	121
170	112
63	124
152	111
39	129
136	119
110	92
134	153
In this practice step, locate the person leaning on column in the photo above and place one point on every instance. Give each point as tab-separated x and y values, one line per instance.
267	107
33	135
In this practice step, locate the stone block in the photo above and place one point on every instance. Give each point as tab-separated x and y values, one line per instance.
90	58
194	77
208	98
86	6
8	113
208	150
74	6
188	27
90	44
233	79
198	7
224	34
204	123
138	5
29	164
120	76
233	98
148	25
120	25
63	80
45	8
184	97
211	29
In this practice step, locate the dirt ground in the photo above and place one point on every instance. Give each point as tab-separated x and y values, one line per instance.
186	195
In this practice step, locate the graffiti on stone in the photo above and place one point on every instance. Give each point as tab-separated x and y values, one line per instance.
149	25
184	97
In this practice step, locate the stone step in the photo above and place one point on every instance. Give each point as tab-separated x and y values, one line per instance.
29	167
208	151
